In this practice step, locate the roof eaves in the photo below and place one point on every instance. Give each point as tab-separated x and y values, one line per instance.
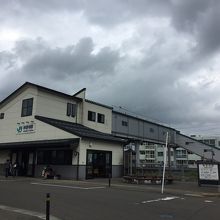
96	135
13	93
43	119
100	104
26	84
79	92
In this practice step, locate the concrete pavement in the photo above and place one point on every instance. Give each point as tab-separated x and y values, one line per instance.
176	188
72	199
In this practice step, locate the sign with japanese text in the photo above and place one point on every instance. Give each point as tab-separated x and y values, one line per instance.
208	172
25	127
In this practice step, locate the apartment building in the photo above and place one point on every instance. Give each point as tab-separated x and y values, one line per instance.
210	140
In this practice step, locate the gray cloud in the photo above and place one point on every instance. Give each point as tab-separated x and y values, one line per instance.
34	60
37	58
199	18
161	79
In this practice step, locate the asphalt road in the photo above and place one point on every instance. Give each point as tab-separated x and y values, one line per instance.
95	202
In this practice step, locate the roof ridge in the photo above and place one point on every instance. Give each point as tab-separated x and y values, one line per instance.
40	87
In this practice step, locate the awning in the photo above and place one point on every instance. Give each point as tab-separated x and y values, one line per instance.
72	142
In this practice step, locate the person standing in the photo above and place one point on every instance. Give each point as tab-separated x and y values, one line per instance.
15	169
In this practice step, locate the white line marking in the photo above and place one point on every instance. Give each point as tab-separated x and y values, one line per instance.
194	195
161	199
70	187
27	212
208	201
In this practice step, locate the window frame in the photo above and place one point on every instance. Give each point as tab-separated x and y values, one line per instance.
2	115
71	109
91	116
55	157
27	107
101	118
151	130
124	123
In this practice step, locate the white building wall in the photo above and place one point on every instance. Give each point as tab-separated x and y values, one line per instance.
49	105
107	126
12	111
116	148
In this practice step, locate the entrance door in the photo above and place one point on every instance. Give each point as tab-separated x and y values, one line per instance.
98	164
26	162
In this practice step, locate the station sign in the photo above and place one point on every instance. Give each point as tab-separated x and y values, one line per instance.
25	127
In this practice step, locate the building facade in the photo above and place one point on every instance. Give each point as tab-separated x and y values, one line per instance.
81	138
213	141
40	127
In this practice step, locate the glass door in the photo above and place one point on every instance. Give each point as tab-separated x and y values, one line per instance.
98	164
26	162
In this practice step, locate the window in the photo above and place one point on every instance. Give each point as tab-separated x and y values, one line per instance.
55	157
91	116
219	143
2	115
71	110
150	154
101	118
142	152
212	142
160	154
124	123
151	130
27	107
206	141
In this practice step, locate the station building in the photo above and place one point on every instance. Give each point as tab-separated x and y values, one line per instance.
82	139
41	126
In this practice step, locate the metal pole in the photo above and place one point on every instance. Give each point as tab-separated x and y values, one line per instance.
48	206
131	163
109	179
164	162
77	169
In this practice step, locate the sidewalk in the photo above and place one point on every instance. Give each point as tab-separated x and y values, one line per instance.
176	188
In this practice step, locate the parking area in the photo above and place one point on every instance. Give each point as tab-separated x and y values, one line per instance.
95	200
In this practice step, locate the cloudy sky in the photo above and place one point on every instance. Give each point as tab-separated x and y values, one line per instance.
158	58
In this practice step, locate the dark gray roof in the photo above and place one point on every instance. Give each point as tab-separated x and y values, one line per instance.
79	129
41	143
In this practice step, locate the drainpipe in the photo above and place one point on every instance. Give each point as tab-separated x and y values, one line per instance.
76	153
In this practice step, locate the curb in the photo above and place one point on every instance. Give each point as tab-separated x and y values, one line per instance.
125	186
140	188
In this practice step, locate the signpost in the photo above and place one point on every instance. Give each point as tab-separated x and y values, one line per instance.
164	162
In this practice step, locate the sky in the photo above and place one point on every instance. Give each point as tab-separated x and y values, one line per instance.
154	59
